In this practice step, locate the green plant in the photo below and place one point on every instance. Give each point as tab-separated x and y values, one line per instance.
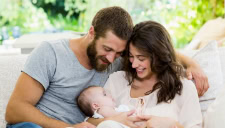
182	18
23	14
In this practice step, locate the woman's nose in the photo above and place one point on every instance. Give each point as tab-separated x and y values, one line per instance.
134	63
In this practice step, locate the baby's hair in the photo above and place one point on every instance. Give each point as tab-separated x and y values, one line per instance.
83	102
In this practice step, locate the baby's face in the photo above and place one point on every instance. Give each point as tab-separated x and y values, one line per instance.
100	96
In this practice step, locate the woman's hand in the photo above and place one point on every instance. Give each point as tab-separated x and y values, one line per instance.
158	122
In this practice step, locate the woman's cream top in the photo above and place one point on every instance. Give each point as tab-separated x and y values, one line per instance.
184	108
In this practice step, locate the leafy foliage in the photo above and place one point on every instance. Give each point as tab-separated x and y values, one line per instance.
22	13
182	18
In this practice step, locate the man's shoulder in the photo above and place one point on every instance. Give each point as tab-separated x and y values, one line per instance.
57	43
51	45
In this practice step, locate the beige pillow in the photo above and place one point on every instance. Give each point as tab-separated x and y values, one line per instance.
212	30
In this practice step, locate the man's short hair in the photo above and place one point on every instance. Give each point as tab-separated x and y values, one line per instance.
115	19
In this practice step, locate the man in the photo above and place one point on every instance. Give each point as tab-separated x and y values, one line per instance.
57	71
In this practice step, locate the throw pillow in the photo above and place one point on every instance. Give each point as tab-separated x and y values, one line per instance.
209	60
222	59
212	30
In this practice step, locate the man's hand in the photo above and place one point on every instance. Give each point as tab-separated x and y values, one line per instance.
194	72
126	118
84	125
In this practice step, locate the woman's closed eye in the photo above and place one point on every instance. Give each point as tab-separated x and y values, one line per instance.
131	56
141	58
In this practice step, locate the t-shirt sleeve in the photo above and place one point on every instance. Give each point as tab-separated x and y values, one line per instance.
41	64
190	115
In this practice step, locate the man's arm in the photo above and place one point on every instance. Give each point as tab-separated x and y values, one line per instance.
194	71
95	121
21	106
159	122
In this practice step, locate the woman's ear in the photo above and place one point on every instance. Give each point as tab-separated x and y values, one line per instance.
95	106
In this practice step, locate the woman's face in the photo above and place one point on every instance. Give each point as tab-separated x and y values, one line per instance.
140	62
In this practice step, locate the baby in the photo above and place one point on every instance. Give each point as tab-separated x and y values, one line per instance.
95	102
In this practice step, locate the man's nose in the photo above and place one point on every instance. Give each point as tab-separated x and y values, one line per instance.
111	57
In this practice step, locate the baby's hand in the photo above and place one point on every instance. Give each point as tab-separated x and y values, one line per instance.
141	124
126	118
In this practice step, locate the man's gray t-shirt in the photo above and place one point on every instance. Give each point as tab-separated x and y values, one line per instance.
56	67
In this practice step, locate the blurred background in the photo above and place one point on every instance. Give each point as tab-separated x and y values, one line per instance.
182	18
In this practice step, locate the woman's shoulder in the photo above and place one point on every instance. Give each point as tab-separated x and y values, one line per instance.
118	74
117	84
188	90
188	85
118	78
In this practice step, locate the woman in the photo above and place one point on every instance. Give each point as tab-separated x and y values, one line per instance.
152	82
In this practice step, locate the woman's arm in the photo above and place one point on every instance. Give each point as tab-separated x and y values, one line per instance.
178	125
160	122
106	111
190	112
124	118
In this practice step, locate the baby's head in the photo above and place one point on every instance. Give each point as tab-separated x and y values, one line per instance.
93	98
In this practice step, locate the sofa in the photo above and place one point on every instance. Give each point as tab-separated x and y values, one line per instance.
11	65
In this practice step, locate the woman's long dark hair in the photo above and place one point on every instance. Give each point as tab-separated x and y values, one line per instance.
153	39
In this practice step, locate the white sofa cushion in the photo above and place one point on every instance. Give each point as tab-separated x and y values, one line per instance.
10	68
215	115
222	60
209	59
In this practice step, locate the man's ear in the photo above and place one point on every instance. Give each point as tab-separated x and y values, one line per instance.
95	106
91	32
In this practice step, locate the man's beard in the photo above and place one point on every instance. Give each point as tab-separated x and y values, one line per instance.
94	59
